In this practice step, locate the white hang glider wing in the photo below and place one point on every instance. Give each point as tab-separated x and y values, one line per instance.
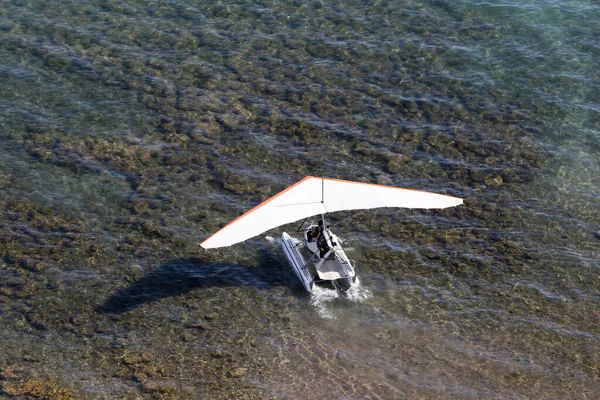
314	196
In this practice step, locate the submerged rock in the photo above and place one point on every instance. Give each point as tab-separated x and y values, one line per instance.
238	372
38	389
494	180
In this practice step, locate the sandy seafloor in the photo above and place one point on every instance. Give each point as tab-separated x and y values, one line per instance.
130	131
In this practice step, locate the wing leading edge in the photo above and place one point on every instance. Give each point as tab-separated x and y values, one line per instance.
313	196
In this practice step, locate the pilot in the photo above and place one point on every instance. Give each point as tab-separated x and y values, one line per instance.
322	241
313	234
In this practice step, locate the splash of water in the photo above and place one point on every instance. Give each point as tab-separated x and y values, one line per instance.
272	241
324	299
320	299
358	293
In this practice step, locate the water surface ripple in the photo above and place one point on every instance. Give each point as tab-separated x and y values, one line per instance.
131	131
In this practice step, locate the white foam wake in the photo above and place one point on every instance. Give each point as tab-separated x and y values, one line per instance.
323	299
358	293
272	240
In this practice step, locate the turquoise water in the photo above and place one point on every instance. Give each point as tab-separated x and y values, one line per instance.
130	132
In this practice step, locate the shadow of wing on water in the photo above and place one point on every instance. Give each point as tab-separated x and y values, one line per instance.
179	276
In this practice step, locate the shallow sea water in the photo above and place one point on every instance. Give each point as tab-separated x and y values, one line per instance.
129	132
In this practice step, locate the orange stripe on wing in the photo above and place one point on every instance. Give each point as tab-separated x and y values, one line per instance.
259	206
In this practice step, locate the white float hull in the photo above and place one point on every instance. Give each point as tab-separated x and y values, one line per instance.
296	260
